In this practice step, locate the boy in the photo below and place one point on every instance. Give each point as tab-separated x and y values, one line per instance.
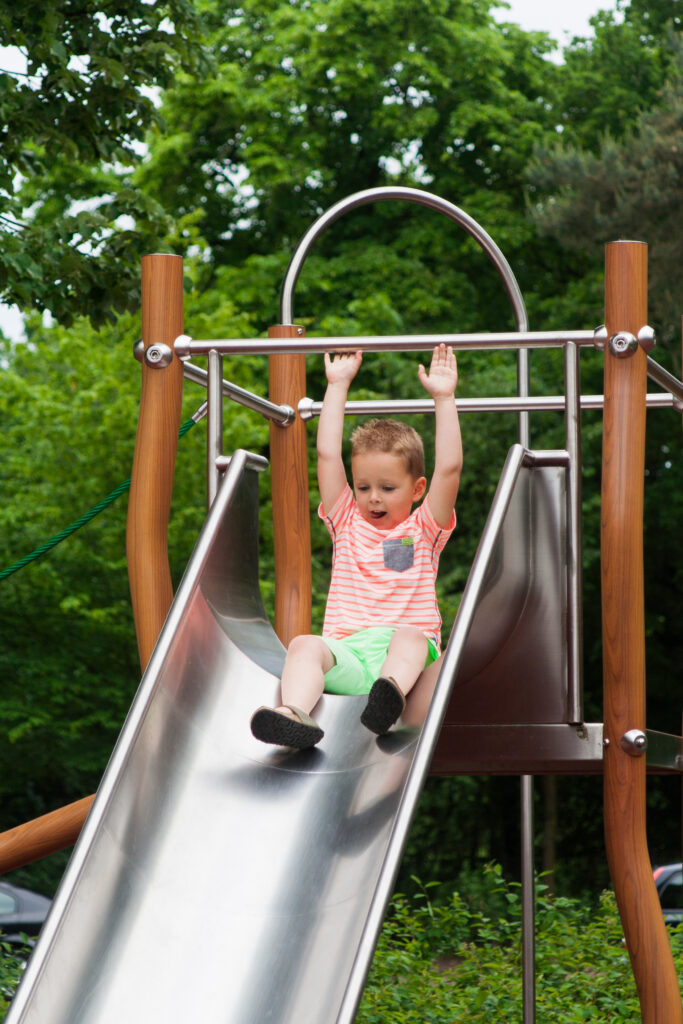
382	623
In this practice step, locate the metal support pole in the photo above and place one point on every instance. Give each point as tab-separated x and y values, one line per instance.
527	787
528	902
573	446
214	424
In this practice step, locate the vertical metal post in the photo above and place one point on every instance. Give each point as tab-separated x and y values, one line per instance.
214	423
573	541
528	902
527	788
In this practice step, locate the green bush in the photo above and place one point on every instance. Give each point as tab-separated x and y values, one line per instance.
451	963
11	966
443	964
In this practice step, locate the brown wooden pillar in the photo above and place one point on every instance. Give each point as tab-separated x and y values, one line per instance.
155	450
147	528
291	507
623	467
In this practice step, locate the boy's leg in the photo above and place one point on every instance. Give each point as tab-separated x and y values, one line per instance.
308	659
420	697
290	725
401	668
406	657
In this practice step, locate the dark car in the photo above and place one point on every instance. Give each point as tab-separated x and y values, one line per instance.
21	912
669	882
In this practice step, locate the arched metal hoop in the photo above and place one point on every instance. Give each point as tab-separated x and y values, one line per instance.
410	195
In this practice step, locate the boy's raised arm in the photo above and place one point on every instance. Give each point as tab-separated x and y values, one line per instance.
440	383
340	371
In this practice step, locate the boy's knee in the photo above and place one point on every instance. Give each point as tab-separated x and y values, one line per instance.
307	646
410	635
302	643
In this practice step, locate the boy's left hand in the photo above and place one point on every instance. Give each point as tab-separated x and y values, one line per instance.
442	379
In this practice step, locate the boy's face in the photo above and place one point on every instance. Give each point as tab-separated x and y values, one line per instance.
384	489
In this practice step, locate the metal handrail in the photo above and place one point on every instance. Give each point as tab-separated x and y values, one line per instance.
666	380
411	195
185	346
282	414
308	408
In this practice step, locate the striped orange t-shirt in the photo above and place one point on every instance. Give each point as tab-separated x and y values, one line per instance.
383	577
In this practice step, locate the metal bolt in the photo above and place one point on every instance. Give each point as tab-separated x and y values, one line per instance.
299	331
158	355
623	344
634	742
605	742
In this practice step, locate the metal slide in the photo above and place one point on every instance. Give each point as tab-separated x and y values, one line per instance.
217	879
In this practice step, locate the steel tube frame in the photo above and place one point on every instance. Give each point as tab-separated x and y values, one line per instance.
411	195
308	409
282	414
214	424
573	541
186	347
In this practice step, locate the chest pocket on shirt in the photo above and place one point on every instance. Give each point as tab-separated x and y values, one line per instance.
399	553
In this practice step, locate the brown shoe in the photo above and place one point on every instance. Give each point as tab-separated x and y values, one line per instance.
385	705
271	726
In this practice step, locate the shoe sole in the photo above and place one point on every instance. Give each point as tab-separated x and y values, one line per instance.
384	707
270	726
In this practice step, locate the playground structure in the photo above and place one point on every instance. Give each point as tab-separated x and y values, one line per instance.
313	840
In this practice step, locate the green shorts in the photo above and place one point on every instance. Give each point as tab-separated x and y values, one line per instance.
359	658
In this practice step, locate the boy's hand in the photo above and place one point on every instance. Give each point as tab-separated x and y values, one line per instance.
342	367
442	379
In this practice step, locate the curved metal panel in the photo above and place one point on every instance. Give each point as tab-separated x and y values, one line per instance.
217	879
514	664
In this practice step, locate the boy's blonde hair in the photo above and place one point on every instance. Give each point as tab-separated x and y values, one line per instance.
391	436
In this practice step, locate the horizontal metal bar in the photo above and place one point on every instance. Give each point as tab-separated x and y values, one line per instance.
282	414
308	409
186	346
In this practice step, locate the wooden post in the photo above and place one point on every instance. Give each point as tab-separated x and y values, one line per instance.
147	528
155	452
291	510
623	467
42	836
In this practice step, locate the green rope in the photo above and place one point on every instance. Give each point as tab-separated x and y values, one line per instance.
85	518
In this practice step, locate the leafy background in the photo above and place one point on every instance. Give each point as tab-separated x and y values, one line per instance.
220	132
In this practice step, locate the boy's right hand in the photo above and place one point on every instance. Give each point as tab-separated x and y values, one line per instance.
342	367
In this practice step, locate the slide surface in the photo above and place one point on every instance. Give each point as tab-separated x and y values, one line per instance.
223	881
216	878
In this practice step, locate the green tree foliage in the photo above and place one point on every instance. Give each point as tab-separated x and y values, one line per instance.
74	118
68	657
313	101
308	101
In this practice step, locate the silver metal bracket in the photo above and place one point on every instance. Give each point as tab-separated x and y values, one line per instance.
634	742
623	344
158	356
600	337
182	346
646	338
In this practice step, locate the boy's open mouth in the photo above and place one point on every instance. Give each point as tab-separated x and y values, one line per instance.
377	515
